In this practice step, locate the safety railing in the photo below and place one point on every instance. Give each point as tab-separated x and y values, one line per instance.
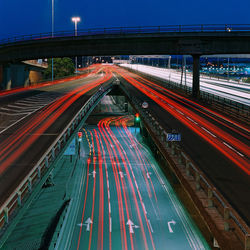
239	110
17	198
229	217
131	30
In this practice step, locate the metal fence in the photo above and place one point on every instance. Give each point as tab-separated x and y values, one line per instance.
131	30
239	110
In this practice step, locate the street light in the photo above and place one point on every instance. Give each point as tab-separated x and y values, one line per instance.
52	23
76	20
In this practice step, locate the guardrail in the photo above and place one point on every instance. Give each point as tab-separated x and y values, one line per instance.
237	109
131	30
228	216
17	198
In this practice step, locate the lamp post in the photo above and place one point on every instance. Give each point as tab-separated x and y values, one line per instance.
52	23
76	20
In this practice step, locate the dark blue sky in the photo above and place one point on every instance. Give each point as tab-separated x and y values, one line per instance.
19	17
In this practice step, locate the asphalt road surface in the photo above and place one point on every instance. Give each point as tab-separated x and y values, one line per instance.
31	120
218	145
126	201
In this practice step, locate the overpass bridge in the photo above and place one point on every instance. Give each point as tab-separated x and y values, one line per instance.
195	40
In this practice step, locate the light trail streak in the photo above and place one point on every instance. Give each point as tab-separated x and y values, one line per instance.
101	193
22	139
93	196
201	109
123	155
108	191
48	83
118	187
224	136
85	199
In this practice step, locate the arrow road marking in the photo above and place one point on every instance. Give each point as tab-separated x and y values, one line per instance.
131	225
121	174
93	173
87	224
148	174
169	227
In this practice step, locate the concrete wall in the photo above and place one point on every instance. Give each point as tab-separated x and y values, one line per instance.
18	75
35	76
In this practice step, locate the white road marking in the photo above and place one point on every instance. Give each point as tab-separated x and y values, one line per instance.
131	225
87	223
144	207
110	224
192	120
93	173
121	174
208	132
169	225
233	149
179	111
14	123
6	109
150	226
109	208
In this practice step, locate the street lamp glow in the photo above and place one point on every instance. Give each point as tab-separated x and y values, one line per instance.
76	20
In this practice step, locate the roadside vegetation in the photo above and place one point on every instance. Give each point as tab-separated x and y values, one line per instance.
62	67
247	80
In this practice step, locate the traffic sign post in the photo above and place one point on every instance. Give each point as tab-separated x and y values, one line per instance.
137	118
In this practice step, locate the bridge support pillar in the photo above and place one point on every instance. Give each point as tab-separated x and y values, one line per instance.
5	81
196	76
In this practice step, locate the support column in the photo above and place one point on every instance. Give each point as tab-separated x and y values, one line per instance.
6	77
196	76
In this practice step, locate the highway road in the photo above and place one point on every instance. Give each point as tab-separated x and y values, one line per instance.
126	202
124	194
232	90
32	118
218	145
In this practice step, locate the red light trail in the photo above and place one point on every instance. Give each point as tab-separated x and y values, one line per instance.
231	147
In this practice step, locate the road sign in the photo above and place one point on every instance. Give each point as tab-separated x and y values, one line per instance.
173	137
71	149
144	105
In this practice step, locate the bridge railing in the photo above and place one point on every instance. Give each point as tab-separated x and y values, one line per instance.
42	169
236	109
130	30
